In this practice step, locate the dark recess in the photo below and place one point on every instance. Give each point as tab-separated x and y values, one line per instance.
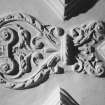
77	7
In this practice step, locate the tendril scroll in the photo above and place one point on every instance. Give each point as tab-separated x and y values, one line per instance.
29	51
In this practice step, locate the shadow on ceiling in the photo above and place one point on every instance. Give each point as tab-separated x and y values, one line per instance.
66	98
77	7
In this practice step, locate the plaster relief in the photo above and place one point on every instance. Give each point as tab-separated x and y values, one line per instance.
88	41
29	51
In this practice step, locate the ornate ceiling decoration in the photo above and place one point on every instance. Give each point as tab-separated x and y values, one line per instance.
87	50
31	51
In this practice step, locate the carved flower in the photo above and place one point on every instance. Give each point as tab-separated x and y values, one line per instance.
37	57
101	27
5	67
37	43
5	34
99	69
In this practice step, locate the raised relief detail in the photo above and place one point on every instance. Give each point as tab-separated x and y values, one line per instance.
29	51
88	48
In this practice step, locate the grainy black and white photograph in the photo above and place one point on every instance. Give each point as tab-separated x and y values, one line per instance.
52	52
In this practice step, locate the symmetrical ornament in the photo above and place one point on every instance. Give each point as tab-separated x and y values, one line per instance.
29	51
60	97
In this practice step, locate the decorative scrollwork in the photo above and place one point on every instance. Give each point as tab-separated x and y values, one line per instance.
29	51
86	40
